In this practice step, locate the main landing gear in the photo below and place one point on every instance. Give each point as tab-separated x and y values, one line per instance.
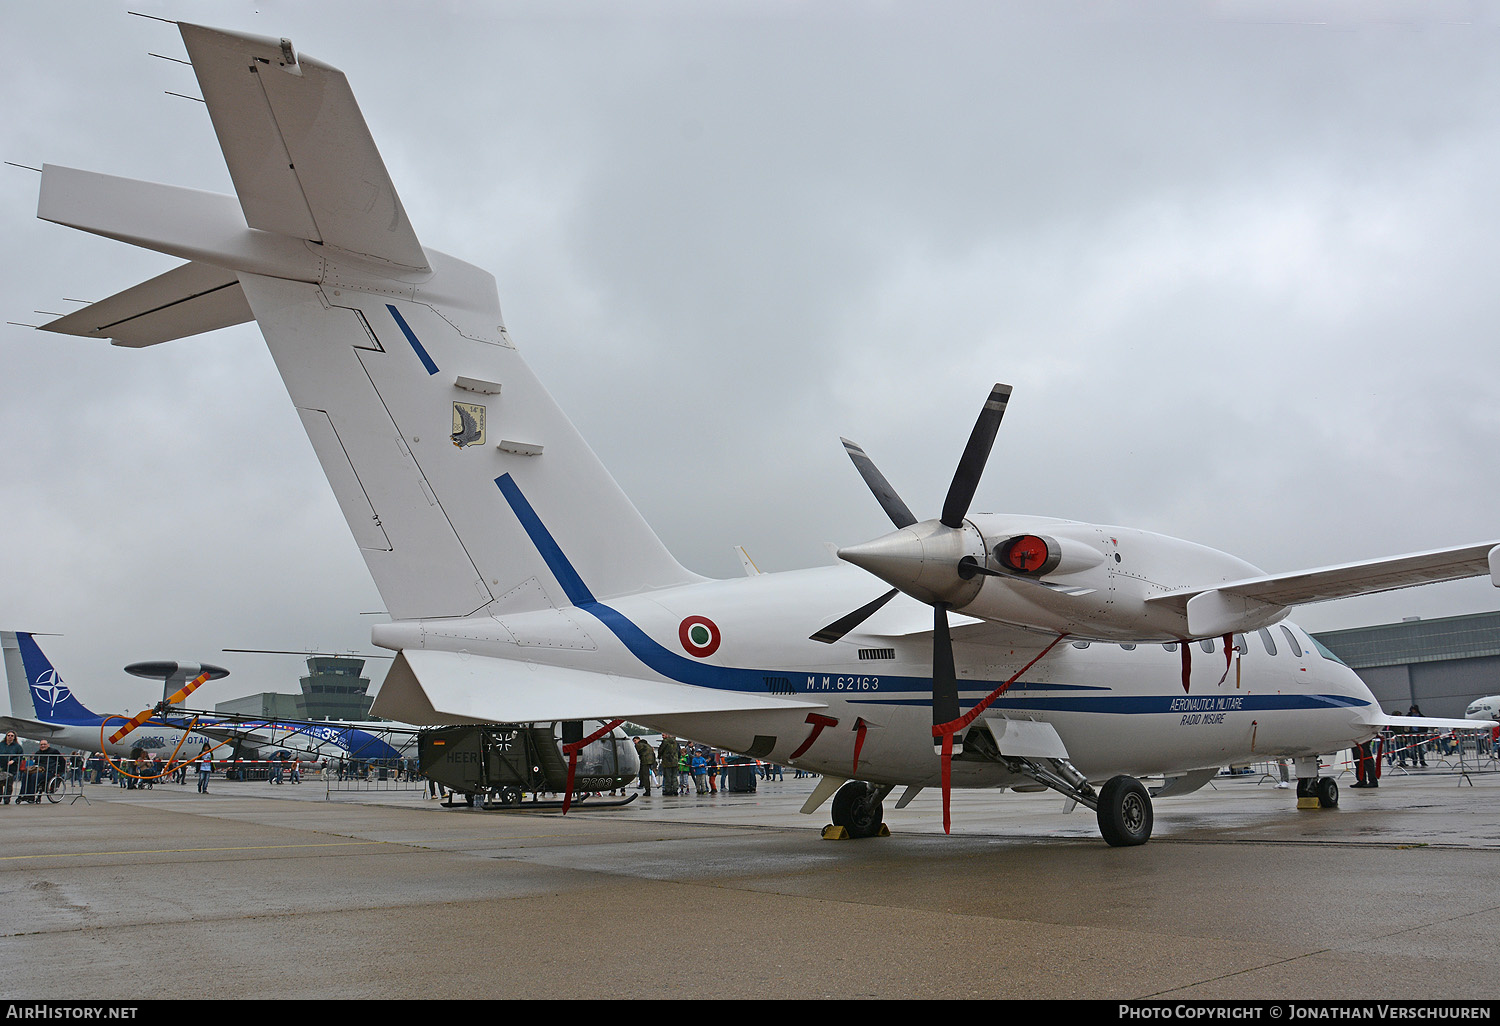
1123	806
857	808
1124	811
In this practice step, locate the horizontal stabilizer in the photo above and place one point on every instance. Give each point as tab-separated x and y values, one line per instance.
29	728
447	687
187	300
204	227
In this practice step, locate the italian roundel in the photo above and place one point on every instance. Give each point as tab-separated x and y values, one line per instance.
699	636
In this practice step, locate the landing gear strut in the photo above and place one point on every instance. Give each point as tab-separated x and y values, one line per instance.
1123	804
857	808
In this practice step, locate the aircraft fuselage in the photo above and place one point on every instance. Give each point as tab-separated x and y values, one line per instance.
1119	708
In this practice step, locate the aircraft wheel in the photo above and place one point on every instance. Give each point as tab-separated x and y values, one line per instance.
510	796
1125	816
1328	793
857	809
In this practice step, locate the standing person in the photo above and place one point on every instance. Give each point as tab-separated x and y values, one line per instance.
11	758
1397	746
1419	741
647	758
714	758
205	763
698	766
668	752
1366	765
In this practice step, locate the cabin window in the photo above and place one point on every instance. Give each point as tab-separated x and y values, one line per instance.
1291	639
1081	644
1170	646
1241	645
1207	644
1128	646
1266	640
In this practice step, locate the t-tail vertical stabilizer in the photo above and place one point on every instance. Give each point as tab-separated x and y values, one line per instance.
37	692
416	401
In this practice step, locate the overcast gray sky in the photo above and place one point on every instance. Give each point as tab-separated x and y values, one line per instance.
1237	259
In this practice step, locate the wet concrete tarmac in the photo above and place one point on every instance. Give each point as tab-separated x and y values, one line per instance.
256	891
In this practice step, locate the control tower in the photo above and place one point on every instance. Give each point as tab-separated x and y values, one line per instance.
334	690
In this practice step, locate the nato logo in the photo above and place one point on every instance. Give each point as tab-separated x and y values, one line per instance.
48	690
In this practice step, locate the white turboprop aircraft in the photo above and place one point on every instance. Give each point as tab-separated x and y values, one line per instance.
1009	651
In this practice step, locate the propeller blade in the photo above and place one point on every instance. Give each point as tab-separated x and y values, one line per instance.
846	623
944	677
976	454
145	714
884	493
187	689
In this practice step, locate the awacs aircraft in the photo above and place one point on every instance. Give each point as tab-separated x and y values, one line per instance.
43	706
967	650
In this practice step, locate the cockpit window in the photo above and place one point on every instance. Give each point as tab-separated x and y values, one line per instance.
1324	652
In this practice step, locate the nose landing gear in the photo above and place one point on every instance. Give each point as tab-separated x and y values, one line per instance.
1324	789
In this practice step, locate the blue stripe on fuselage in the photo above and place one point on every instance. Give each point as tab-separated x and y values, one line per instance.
728	678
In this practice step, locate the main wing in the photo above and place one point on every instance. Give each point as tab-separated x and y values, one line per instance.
1378	720
1208	607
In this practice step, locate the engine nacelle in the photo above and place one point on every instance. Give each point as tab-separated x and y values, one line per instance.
1088	581
1097	582
1037	555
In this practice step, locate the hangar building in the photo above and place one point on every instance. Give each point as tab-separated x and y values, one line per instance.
1440	665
